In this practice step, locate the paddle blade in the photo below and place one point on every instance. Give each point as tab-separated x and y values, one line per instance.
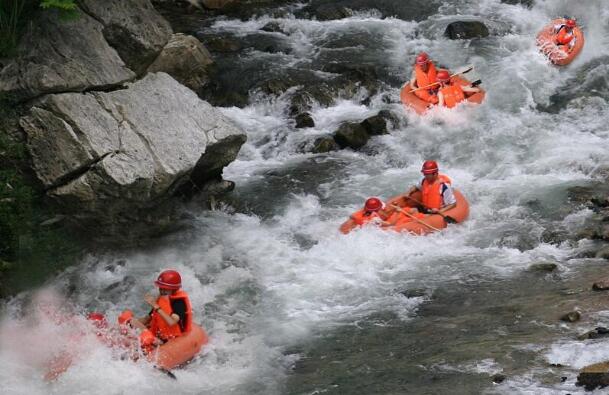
476	83
464	70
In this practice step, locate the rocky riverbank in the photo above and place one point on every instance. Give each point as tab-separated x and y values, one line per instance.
114	137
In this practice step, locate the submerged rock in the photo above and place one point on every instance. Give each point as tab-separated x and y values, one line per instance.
597	333
466	30
543	267
572	316
351	135
602	285
304	120
324	144
186	60
375	125
593	376
111	157
603	253
498	378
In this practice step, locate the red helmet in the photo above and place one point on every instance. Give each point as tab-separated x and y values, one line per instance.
373	204
422	58
429	167
443	76
98	319
169	279
570	23
125	317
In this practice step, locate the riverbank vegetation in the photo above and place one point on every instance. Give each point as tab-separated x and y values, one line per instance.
33	239
15	15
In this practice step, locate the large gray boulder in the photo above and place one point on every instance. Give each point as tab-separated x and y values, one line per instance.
60	56
186	60
134	28
108	156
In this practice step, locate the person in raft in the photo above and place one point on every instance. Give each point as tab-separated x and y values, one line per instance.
564	36
374	211
451	93
424	74
436	192
170	316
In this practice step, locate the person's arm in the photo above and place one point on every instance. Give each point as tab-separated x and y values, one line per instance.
440	99
169	319
413	80
448	198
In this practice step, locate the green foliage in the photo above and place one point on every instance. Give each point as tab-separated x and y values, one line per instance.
67	8
16	14
29	251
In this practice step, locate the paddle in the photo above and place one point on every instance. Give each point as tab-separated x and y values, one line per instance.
447	218
475	83
463	70
406	213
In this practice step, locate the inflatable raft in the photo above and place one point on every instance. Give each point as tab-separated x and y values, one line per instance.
168	356
556	55
424	223
180	350
432	222
410	100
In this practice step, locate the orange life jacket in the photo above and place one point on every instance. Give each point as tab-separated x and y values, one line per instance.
425	78
432	193
360	217
453	94
160	328
563	37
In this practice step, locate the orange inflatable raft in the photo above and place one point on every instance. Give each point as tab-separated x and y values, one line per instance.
423	224
179	350
167	356
411	100
547	45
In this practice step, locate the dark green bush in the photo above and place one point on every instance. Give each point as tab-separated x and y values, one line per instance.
16	14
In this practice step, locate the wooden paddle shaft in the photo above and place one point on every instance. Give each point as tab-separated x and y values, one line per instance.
414	218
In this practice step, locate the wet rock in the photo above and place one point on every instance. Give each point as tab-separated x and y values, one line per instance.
543	267
390	117
328	12
597	333
62	56
276	86
593	376
324	144
375	125
498	378
527	3
134	28
304	120
414	293
186	60
352	78
273	27
302	100
217	4
416	10
109	157
351	135
466	30
603	253
601	285
222	44
572	316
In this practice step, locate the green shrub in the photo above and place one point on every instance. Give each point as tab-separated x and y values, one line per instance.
16	14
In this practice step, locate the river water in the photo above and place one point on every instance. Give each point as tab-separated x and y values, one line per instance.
293	306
